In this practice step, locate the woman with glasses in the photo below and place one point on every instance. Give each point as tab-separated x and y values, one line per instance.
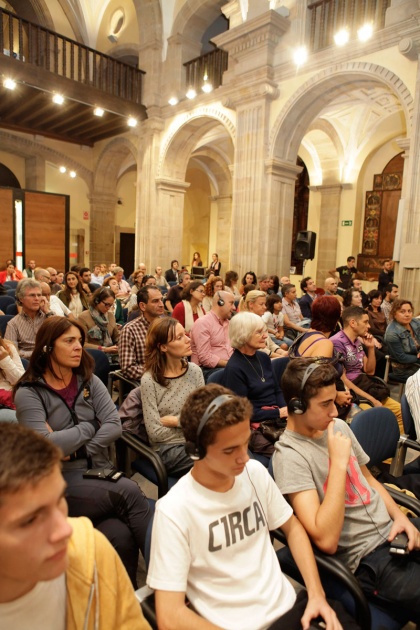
249	373
403	339
189	309
101	328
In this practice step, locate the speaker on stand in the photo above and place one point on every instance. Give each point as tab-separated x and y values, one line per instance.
305	247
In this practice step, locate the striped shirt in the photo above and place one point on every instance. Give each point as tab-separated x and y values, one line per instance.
22	329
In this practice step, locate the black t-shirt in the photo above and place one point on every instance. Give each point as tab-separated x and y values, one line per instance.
346	276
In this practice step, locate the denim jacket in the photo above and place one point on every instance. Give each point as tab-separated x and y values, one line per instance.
400	342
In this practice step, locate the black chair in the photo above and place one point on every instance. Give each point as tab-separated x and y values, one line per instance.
5	301
4	319
11	309
216	377
377	432
10	284
406	441
279	366
394	379
102	365
11	292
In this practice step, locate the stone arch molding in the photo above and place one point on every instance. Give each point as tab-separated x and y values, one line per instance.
30	148
183	134
306	103
109	163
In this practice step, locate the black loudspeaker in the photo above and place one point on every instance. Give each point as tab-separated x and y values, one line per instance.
305	245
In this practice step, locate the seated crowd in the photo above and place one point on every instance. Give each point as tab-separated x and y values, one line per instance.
193	346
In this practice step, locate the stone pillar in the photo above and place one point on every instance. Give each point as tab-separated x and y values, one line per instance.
35	173
328	235
168	221
251	47
102	227
408	269
224	231
275	241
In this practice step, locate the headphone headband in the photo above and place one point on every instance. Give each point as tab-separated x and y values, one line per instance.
297	405
194	450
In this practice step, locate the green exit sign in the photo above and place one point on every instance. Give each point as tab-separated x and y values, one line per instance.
345	223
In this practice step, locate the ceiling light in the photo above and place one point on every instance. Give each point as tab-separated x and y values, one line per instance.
62	169
132	122
300	56
342	37
173	100
72	174
191	93
9	84
365	32
58	99
98	111
207	86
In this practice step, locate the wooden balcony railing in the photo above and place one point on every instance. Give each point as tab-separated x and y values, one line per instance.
329	16
212	64
29	42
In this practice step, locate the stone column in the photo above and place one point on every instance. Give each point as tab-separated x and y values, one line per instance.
102	227
223	233
35	173
328	234
168	221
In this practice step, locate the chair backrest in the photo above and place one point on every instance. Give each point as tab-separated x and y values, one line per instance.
5	300
4	319
216	377
408	420
377	432
10	284
11	309
278	367
102	365
11	292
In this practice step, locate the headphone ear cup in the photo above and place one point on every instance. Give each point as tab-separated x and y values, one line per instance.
296	406
192	451
220	301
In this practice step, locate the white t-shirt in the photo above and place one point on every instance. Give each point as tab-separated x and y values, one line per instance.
43	607
215	547
58	307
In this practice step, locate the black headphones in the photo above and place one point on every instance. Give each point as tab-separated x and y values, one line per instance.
194	449
297	405
47	349
220	301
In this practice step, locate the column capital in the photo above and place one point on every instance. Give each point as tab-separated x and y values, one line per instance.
220	198
330	189
281	168
252	92
404	144
172	185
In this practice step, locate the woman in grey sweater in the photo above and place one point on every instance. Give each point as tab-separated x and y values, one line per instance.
61	398
165	386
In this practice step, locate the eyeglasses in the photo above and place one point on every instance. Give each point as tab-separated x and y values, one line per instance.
107	304
200	291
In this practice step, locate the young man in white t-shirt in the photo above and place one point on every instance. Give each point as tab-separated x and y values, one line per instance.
55	573
211	539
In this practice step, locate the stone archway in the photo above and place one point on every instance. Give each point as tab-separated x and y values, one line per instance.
104	197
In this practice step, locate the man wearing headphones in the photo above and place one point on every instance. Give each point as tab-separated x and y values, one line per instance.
322	468
211	541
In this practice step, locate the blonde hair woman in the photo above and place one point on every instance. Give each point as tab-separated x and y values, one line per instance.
255	302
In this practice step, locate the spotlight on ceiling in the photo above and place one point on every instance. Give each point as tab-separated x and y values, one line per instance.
132	122
58	99
98	111
9	84
173	100
342	37
191	93
365	32
300	56
62	169
72	174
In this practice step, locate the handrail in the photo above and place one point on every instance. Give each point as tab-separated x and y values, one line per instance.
329	16
26	41
213	64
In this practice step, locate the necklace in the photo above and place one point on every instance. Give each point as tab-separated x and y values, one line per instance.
260	376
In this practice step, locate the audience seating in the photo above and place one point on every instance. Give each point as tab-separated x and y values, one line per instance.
409	440
393	379
216	377
5	301
4	319
102	365
10	284
11	309
11	292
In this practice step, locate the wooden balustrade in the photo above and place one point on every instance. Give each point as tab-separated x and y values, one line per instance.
212	65
29	42
329	16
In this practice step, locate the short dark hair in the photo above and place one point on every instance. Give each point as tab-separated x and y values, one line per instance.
26	457
304	282
372	295
82	270
326	311
191	286
397	305
324	376
172	262
143	294
286	288
388	289
349	258
348	296
100	295
352	312
271	300
231	413
249	273
40	361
